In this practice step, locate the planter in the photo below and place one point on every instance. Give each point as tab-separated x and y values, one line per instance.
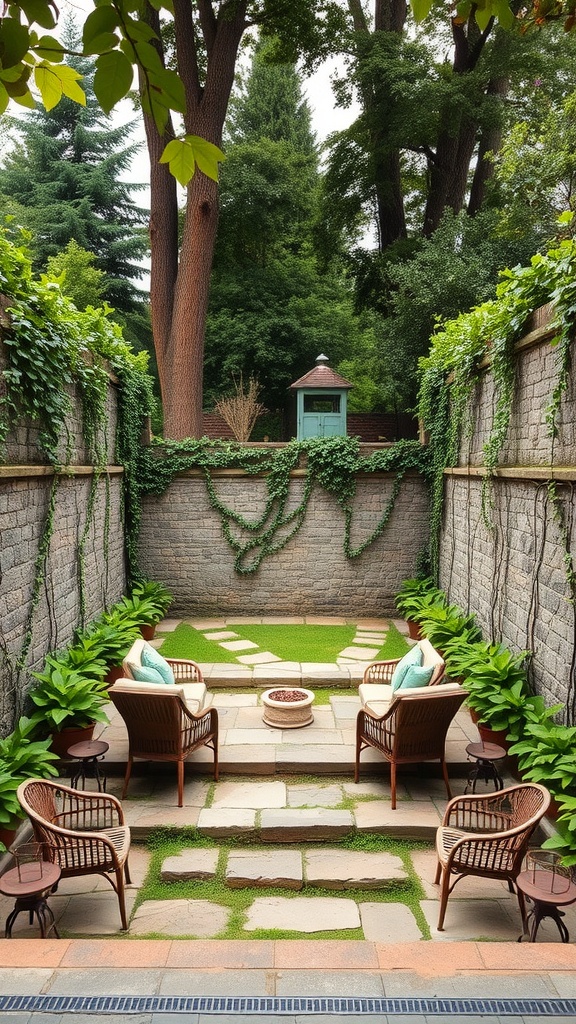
7	836
147	632
66	738
287	707
113	674
413	630
488	735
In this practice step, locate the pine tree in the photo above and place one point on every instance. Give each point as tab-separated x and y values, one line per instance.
63	179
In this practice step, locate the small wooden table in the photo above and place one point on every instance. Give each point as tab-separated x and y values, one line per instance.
31	896
537	886
485	756
88	754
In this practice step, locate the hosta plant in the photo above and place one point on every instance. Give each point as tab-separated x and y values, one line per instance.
66	698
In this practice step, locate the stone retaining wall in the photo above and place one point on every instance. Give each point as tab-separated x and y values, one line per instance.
514	575
25	489
181	542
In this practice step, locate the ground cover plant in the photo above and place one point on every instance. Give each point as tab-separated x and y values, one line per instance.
169	842
302	642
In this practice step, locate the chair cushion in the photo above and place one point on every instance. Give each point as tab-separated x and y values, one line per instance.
414	657
150	658
416	676
195	695
132	686
142	674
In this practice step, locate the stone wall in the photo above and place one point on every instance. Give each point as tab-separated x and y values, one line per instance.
181	543
513	576
25	489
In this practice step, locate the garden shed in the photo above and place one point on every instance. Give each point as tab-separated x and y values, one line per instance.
321	400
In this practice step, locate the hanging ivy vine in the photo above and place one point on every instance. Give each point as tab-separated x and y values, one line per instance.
331	463
491	330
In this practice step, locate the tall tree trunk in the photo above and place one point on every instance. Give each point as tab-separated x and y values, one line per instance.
490	143
180	284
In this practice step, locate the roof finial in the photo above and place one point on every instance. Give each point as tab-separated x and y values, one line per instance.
321	360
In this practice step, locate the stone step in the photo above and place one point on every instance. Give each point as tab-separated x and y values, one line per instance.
289	868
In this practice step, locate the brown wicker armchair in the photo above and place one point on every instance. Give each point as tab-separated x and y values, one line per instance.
186	674
487	836
84	833
412	730
161	726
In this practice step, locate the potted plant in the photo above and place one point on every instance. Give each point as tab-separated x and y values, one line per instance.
21	757
114	633
443	623
498	693
545	753
147	604
69	704
414	596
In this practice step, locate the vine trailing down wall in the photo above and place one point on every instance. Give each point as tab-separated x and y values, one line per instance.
333	518
497	397
68	384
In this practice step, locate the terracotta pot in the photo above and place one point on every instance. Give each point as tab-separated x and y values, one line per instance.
7	836
413	630
114	673
148	632
488	735
66	738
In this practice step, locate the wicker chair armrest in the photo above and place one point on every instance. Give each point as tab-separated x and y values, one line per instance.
199	725
380	671
78	803
490	809
184	668
376	728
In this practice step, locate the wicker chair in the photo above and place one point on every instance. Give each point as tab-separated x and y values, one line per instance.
84	833
487	836
375	690
412	730
186	674
161	726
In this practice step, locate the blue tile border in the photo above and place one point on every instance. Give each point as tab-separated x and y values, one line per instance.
354	1006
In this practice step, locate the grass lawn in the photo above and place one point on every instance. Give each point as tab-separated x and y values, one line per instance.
290	643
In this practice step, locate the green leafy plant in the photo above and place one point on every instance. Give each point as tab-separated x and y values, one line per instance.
114	633
545	754
441	623
141	610
86	656
156	594
564	841
22	756
66	698
10	810
416	596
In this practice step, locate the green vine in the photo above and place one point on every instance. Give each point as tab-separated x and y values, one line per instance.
330	463
490	331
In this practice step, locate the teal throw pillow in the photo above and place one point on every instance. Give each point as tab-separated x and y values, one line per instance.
151	659
417	675
414	657
145	675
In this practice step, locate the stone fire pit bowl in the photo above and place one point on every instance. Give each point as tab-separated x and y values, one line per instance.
288	707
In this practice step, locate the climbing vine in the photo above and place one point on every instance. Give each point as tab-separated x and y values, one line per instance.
331	463
490	331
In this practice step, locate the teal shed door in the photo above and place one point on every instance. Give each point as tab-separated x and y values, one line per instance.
322	415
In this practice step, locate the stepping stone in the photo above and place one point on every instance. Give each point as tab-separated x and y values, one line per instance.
250	794
222	634
314	796
264	658
352	869
294	826
282	868
190	864
222	822
471	920
366	638
302	914
180	917
414	819
360	653
389	922
376	634
238	645
168	625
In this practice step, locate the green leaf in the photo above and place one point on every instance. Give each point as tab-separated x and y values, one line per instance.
48	85
179	156
101	21
69	78
4	99
102	43
503	13
565	218
420	9
25	99
482	16
148	56
168	89
39	11
50	49
113	79
14	42
206	155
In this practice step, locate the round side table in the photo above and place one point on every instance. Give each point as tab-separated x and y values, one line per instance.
88	754
485	756
538	886
31	896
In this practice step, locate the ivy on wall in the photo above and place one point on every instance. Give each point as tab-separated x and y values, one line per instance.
331	463
451	370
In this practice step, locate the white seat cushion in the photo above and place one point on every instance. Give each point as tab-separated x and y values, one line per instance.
195	695
377	697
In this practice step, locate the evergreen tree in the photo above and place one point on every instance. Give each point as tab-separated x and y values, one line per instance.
63	179
275	302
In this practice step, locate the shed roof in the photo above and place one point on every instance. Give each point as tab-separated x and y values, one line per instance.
321	376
